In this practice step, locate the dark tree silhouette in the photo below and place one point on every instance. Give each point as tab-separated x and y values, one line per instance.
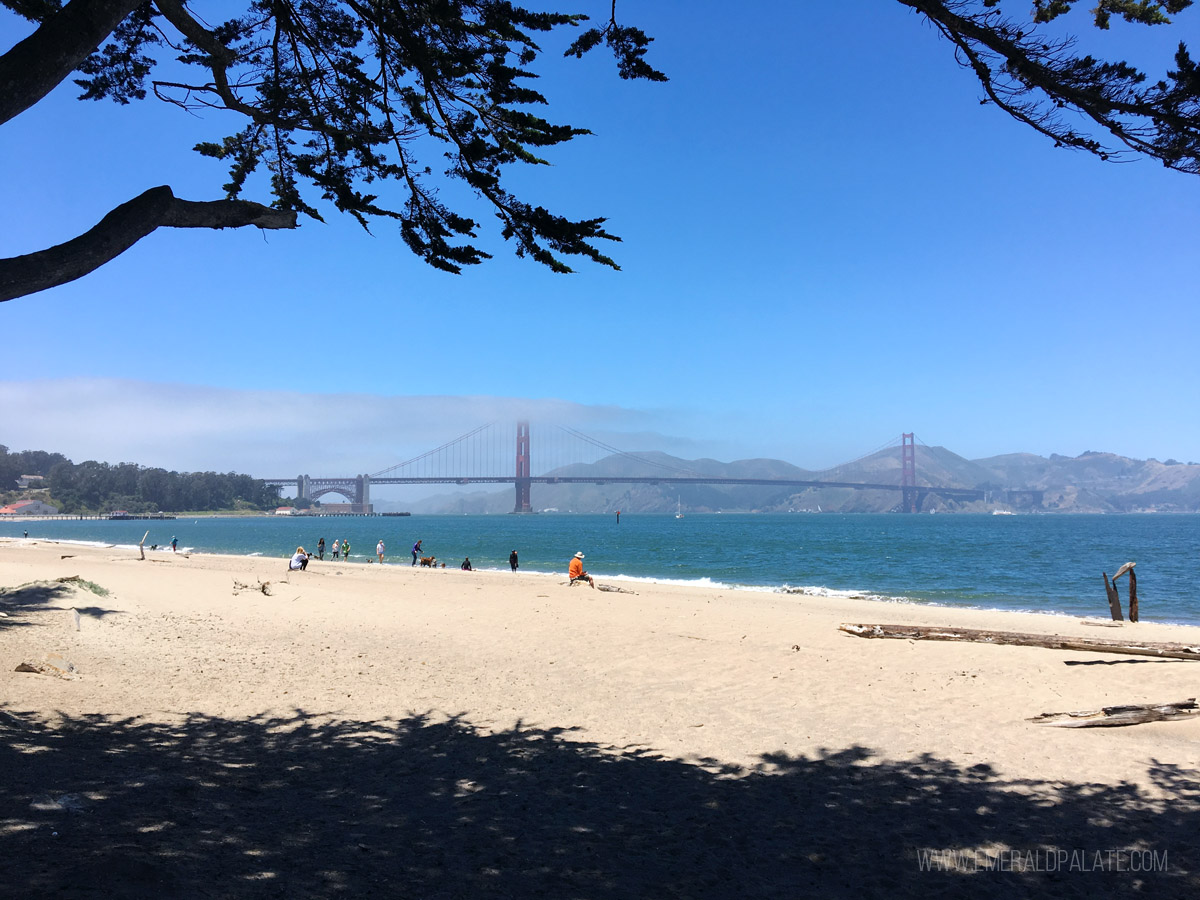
339	99
1040	80
343	102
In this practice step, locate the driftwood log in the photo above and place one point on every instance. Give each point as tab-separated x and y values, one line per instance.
1115	716
612	588
1049	641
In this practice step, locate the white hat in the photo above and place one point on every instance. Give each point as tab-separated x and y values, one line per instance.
579	555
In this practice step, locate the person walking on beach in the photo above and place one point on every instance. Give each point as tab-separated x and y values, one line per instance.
337	547
321	548
416	552
345	551
174	544
512	560
575	571
379	551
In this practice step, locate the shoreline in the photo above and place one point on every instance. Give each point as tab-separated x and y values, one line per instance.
357	710
703	583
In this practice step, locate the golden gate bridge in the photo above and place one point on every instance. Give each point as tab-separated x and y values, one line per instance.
490	455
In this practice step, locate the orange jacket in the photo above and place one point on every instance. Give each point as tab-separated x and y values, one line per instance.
576	568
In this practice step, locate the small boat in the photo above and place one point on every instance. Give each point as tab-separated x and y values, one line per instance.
678	509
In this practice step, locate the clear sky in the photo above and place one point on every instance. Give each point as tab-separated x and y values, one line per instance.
827	241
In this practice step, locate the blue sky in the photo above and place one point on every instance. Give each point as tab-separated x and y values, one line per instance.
827	241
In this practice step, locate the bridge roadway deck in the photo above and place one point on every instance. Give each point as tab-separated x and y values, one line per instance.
964	493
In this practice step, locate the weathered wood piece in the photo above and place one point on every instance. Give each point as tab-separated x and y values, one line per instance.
264	587
142	544
612	588
1114	599
1133	598
1127	567
1116	716
1021	639
1133	601
50	664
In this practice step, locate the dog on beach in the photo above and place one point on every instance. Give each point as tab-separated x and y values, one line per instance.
428	561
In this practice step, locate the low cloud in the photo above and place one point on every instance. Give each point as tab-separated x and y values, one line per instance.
281	433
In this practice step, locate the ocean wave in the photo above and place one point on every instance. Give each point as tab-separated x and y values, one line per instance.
809	590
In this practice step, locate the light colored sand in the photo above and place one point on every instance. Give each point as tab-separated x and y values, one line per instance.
691	673
393	731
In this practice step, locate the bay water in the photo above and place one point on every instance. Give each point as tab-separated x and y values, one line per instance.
1040	563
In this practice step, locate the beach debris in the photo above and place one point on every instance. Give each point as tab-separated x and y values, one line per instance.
1049	641
1116	716
612	588
263	587
1114	599
73	618
142	545
1114	596
51	664
64	803
67	556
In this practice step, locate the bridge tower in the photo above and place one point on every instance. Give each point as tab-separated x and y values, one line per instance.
522	479
908	473
362	494
303	488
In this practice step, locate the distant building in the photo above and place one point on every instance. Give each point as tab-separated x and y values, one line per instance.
27	481
287	511
28	508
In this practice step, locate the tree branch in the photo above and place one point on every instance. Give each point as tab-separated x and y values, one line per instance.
222	56
124	227
37	65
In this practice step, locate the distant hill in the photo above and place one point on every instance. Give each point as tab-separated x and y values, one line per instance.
1091	482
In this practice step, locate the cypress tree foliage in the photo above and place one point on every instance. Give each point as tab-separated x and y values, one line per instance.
1105	108
96	487
342	102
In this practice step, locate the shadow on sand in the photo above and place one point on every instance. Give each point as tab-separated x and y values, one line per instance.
17	603
304	807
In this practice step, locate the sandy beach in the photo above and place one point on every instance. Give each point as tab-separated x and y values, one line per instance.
438	733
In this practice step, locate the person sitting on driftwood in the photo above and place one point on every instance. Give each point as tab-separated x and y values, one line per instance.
299	560
575	571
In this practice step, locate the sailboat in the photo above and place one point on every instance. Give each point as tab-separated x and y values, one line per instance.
678	509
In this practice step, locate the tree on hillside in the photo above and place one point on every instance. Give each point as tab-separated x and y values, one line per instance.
341	98
337	98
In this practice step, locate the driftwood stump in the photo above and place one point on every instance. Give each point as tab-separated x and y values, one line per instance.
1114	599
1133	601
